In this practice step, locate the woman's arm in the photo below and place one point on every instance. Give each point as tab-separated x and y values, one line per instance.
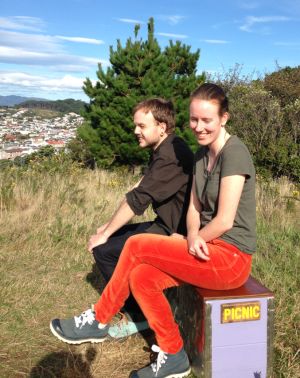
196	244
231	188
193	214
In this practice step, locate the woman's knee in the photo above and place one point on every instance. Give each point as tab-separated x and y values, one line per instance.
143	278
133	242
146	278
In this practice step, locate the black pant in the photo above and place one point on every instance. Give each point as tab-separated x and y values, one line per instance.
107	256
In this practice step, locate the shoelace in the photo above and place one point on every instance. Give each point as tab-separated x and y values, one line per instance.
123	320
86	317
161	359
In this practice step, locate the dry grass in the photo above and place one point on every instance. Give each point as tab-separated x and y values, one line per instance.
46	271
277	265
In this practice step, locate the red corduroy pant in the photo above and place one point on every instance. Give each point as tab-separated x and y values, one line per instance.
150	264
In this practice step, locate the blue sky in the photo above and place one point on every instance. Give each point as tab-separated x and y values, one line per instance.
48	48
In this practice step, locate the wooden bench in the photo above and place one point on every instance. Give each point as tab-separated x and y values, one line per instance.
227	333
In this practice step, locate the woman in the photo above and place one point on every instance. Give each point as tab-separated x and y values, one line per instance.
217	252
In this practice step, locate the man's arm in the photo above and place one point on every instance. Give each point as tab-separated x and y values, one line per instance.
161	182
122	216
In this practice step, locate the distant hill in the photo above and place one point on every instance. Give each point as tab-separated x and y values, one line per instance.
63	106
15	100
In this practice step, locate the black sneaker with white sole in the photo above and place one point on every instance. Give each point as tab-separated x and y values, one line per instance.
80	329
166	366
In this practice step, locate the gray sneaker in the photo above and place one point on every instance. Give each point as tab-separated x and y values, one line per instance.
166	366
80	329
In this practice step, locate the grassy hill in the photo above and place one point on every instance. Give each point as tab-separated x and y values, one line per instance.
62	106
15	100
47	213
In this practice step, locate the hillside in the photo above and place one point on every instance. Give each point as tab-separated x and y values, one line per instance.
63	106
15	100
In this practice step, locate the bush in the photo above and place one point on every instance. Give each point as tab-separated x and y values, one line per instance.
258	118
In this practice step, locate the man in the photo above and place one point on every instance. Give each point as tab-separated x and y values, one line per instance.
165	184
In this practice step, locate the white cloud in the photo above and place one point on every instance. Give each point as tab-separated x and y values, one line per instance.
73	68
129	21
37	49
22	56
171	19
21	79
216	41
23	44
171	35
92	41
251	21
249	5
31	42
287	44
40	41
22	23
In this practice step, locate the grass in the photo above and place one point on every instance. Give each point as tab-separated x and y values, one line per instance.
46	271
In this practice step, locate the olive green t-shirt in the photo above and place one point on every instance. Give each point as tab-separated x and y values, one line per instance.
233	159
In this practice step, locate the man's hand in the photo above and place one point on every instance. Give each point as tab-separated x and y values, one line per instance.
99	238
198	247
102	228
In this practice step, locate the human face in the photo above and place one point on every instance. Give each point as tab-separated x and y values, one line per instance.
148	131
206	122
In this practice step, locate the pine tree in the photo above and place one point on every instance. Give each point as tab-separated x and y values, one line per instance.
138	70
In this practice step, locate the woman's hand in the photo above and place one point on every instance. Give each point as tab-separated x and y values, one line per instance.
198	247
177	236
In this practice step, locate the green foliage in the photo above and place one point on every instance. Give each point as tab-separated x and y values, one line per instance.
44	160
269	129
43	152
265	112
284	84
139	70
231	78
79	151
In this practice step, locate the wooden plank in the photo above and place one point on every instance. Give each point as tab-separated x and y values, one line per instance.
252	288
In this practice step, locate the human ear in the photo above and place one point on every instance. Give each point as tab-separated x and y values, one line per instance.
163	128
225	117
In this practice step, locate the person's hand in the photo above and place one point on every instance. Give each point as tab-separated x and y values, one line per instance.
101	228
198	247
177	236
99	238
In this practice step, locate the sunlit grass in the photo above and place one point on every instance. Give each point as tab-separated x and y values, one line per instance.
46	218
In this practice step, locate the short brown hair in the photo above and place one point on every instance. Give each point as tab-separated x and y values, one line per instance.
161	109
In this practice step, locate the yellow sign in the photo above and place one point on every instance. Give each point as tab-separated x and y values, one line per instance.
240	312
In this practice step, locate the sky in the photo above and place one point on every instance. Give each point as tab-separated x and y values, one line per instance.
48	48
